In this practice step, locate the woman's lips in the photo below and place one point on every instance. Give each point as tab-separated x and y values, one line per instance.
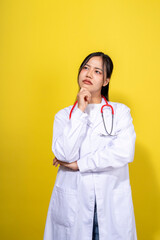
87	82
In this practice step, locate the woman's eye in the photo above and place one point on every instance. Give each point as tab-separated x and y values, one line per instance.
85	67
98	72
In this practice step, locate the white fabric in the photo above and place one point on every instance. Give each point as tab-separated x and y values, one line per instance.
103	174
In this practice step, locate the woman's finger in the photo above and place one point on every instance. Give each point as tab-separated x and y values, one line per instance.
56	164
54	160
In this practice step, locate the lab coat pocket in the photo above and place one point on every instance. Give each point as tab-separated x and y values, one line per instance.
64	206
122	206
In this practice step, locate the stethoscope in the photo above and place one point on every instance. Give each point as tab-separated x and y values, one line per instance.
105	105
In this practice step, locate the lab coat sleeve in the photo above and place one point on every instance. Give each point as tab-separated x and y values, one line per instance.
68	134
119	152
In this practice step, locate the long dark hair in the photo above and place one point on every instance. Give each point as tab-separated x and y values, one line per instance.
109	68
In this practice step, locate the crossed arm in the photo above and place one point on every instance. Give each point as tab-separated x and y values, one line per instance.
72	165
67	139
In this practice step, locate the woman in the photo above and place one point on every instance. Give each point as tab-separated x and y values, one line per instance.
92	196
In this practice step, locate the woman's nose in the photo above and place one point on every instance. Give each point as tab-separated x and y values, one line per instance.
89	73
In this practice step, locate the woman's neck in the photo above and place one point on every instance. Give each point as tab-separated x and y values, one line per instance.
96	99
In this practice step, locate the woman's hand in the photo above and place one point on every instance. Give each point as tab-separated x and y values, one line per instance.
73	165
83	98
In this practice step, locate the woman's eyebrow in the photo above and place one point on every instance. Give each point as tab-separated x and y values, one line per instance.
94	67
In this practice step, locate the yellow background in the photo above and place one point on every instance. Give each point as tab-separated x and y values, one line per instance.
42	44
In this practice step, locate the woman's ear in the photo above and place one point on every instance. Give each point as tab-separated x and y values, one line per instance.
106	82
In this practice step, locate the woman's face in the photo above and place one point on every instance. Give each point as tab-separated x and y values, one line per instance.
91	76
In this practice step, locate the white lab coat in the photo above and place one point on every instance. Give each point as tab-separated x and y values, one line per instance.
103	174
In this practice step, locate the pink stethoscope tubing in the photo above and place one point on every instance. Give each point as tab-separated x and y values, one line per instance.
105	105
